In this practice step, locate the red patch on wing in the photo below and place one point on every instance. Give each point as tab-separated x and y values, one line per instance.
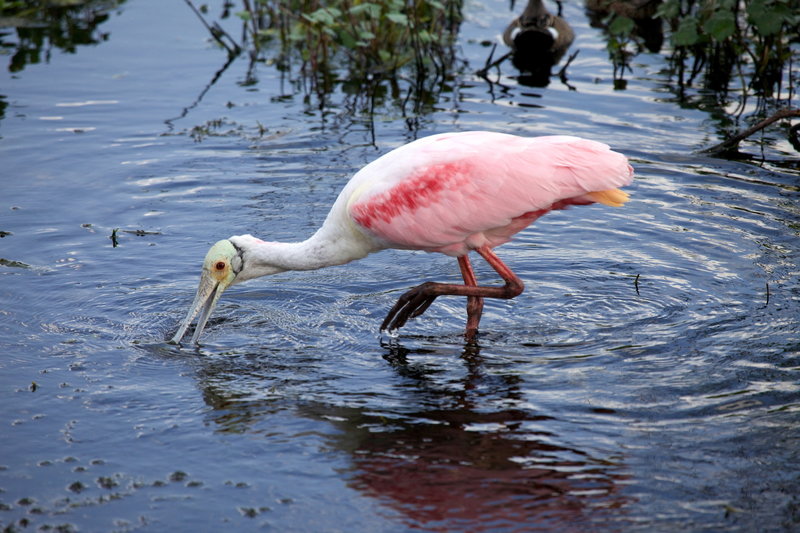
561	204
421	189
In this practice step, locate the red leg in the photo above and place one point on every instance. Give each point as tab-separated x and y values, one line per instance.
474	303
414	302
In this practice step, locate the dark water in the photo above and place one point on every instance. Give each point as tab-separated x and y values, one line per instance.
586	405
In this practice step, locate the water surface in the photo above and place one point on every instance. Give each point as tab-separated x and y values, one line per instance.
646	380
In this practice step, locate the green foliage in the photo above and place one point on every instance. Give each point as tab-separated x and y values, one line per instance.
720	25
704	21
621	25
371	49
361	36
752	36
620	46
770	16
12	7
687	33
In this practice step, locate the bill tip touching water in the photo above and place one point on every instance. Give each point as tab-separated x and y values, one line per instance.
452	193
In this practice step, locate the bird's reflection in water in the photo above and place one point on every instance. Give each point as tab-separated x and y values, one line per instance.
464	451
477	459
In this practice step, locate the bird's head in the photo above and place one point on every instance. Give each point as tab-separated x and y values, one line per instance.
221	266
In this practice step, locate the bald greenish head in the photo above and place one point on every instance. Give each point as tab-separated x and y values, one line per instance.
220	267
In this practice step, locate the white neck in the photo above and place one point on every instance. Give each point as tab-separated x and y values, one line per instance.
320	250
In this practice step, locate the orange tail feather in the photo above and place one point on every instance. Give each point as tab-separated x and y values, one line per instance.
611	197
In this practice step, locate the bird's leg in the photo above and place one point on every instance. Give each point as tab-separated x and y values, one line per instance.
414	302
474	303
513	286
411	304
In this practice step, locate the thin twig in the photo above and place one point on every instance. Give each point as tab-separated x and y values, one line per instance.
254	23
217	33
562	74
636	284
489	63
491	55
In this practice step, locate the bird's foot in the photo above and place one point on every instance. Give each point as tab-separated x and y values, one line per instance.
471	335
410	305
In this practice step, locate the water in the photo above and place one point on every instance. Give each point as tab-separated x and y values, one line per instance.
646	380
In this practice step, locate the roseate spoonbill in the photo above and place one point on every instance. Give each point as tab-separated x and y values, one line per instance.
538	40
451	193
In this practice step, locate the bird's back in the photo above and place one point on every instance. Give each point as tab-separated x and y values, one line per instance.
456	191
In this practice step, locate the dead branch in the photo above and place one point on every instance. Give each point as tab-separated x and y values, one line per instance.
730	146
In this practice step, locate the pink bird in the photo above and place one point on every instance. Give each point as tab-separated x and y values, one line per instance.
451	193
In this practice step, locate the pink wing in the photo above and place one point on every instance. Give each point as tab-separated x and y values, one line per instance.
454	192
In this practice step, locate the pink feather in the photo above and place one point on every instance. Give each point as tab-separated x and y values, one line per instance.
454	192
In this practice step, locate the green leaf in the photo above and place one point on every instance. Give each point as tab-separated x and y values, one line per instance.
686	34
311	17
325	16
720	25
398	18
368	9
768	17
297	33
621	25
347	40
669	10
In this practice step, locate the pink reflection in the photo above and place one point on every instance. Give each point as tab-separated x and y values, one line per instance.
443	477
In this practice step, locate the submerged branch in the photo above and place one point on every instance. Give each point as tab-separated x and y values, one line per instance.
730	146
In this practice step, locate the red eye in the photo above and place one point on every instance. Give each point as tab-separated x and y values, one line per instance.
220	265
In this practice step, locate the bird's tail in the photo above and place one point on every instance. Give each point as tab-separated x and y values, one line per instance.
611	197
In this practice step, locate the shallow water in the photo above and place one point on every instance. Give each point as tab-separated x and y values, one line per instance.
646	380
